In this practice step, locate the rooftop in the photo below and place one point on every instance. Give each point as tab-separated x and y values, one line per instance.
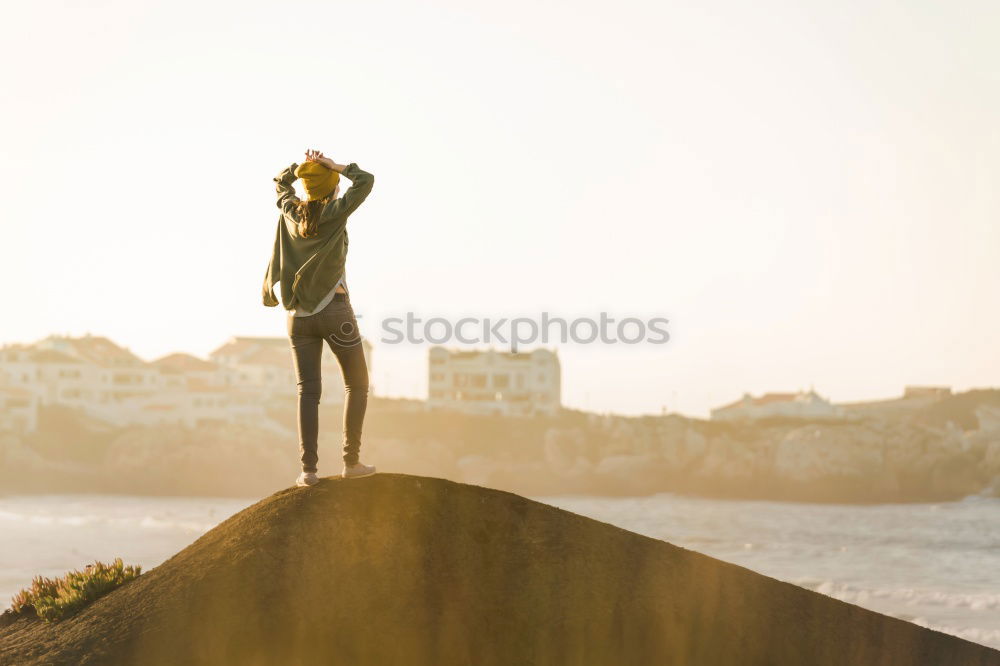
179	363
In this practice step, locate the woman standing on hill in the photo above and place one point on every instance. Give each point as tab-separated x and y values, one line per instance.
308	260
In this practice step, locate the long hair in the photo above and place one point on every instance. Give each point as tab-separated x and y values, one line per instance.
308	214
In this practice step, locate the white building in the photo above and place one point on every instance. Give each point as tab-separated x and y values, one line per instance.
18	410
87	372
17	367
803	405
195	392
109	382
494	382
201	405
107	374
64	379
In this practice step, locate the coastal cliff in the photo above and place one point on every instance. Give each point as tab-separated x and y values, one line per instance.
946	451
399	569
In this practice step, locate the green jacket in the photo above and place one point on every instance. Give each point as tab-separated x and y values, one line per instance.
308	268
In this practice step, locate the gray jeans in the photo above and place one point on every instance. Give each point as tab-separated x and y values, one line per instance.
336	325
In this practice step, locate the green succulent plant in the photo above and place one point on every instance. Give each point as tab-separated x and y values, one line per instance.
55	598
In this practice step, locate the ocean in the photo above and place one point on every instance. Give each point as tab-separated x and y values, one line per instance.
937	565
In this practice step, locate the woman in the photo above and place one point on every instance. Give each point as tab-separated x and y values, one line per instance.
308	260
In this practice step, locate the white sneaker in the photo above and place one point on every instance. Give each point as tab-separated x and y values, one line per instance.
358	470
307	479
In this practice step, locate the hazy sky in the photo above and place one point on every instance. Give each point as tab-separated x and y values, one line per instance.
807	190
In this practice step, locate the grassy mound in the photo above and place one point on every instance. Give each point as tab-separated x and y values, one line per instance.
398	569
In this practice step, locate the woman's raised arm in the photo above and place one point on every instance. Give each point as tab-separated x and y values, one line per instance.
287	199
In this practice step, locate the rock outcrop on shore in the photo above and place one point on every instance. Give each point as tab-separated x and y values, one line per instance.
944	451
399	569
864	461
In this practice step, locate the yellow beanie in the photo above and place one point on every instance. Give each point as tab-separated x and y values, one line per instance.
318	180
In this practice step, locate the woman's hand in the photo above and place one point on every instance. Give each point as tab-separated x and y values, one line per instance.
317	156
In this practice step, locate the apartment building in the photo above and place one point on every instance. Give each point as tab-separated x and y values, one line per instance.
18	410
111	383
494	382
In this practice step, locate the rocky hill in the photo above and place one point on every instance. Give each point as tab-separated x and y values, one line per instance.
398	569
